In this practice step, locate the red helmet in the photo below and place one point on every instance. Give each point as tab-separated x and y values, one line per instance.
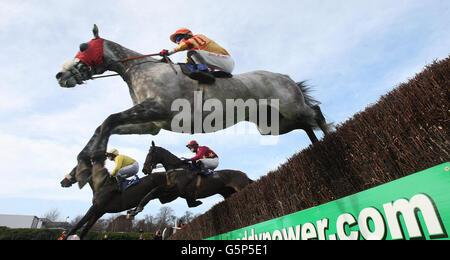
180	31
192	143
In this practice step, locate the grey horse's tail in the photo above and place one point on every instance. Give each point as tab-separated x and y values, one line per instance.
314	104
306	90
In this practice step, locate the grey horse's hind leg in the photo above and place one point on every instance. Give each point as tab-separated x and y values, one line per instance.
311	135
320	119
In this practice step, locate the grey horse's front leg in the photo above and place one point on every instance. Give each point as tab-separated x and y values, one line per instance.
84	167
132	121
83	170
127	122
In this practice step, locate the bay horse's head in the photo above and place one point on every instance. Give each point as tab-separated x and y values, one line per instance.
151	160
88	62
69	179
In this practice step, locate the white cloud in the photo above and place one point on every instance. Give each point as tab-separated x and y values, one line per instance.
13	11
33	167
14	100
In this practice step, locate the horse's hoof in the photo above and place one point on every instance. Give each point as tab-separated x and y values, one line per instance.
193	204
132	213
66	183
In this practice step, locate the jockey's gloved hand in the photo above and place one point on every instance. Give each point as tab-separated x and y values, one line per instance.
164	53
185	160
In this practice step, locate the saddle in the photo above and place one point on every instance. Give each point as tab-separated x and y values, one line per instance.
198	169
126	184
202	75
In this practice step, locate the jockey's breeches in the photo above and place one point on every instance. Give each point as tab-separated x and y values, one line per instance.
214	60
129	170
210	163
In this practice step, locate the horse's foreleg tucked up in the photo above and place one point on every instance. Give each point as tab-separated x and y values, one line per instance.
84	166
135	120
153	194
132	121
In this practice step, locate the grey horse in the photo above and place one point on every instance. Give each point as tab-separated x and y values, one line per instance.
155	86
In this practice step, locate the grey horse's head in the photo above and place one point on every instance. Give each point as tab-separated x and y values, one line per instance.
88	62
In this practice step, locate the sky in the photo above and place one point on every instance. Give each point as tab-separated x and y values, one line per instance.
351	52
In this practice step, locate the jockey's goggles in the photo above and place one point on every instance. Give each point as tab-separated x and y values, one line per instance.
178	38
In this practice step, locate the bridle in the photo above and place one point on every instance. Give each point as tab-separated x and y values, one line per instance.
152	163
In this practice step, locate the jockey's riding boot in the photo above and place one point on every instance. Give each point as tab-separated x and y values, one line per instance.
221	74
119	183
201	73
196	167
201	174
203	76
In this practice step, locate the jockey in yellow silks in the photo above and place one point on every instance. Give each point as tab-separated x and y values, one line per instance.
125	166
203	53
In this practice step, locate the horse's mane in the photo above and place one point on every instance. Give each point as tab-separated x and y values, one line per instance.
167	153
153	175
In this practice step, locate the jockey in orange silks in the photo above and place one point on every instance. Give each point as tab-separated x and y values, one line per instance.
203	53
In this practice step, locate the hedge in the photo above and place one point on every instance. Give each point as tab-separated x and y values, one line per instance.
54	234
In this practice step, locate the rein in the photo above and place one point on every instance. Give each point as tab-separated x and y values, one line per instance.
134	58
139	57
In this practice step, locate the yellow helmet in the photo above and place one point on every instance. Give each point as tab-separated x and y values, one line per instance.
113	151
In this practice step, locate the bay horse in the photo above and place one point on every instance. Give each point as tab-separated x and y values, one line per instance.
188	184
109	200
155	86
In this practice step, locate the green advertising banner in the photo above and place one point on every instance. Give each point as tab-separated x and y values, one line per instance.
414	207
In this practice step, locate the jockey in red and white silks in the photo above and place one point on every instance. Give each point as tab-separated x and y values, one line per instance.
203	154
